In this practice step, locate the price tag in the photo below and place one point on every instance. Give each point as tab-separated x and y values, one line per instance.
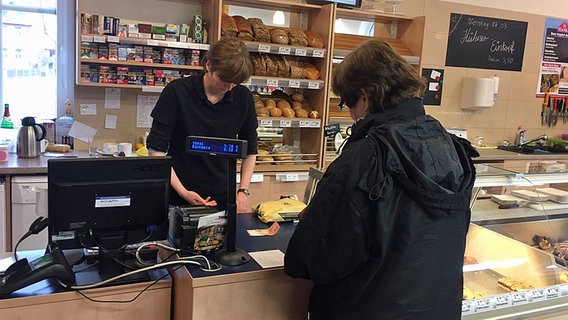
538	294
175	44
467	307
292	177
304	124
286	123
272	82
113	39
86	38
482	304
552	292
294	84
502	301
99	39
519	298
257	177
313	85
284	50
313	123
263	48
266	122
318	53
300	52
153	43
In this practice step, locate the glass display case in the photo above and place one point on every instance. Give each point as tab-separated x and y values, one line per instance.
514	265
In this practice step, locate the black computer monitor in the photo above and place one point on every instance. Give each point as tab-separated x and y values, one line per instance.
349	4
108	203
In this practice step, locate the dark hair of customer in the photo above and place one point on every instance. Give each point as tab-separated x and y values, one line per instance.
376	67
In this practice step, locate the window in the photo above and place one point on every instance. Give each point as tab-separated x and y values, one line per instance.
37	57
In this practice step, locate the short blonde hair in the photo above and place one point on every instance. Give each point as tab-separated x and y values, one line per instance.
230	58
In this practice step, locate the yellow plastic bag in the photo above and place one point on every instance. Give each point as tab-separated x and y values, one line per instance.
278	210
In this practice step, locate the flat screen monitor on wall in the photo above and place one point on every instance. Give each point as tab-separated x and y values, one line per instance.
108	203
340	3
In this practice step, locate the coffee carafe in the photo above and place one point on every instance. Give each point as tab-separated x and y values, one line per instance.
29	138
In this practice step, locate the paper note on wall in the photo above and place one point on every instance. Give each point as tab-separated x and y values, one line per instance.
144	106
110	121
112	98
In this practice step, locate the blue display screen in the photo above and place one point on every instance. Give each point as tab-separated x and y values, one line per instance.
215	147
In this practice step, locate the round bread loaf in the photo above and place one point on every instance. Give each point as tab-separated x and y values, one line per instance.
297	96
313	114
270	103
275	112
283	104
301	113
296	105
262	112
288	112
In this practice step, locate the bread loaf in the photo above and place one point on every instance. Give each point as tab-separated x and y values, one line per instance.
263	156
259	30
282	69
269	103
315	40
228	26
297	38
259	64
271	68
283	104
301	113
278	35
313	114
288	113
312	73
297	72
262	112
275	112
297	96
244	28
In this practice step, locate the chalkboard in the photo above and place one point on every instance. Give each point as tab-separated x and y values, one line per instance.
486	43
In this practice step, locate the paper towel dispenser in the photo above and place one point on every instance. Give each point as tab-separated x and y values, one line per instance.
479	92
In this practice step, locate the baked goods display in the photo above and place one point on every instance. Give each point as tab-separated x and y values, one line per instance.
508	284
273	65
561	250
280	104
254	29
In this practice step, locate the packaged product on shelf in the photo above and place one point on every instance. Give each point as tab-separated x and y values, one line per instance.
113	51
167	55
198	29
98	24
156	55
195	61
144	30
94	73
171	75
149	77
122	53
122	30
183	32
148	54
104	74
132	30
122	75
86	50
108	25
159	32
139	54
85	74
178	56
159	79
86	23
171	37
103	53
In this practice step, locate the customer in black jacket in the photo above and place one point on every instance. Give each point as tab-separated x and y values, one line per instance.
384	235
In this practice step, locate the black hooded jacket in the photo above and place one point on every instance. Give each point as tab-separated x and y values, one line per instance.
384	236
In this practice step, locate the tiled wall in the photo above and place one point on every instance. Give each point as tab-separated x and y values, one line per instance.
516	105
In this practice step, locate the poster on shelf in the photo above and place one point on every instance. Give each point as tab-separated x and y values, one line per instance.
553	75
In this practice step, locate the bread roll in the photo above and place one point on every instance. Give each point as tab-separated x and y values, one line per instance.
279	36
269	103
288	113
297	96
262	156
282	156
228	26
301	113
275	112
258	104
262	151
262	112
283	104
315	40
313	114
297	105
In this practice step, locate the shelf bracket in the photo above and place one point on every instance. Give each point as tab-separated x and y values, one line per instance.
394	29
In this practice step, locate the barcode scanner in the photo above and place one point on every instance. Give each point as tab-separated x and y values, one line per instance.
36	227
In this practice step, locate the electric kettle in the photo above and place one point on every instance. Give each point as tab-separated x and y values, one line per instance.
29	138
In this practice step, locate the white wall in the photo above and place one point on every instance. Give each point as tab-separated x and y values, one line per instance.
550	8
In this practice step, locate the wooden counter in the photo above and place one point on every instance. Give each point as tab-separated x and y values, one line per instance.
47	300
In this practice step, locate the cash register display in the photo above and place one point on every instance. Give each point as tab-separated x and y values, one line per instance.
217	146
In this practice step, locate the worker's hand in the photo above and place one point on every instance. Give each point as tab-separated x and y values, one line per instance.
195	199
242	203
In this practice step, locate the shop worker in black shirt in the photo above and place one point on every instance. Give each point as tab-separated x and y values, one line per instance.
384	235
210	104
